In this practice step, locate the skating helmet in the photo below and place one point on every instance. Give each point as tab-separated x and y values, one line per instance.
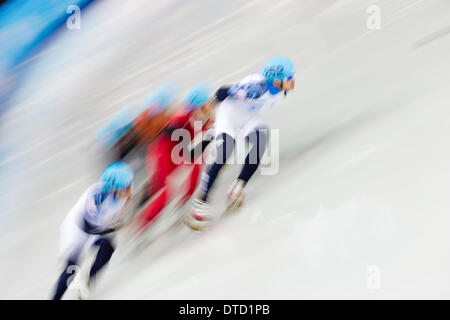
278	68
197	96
120	123
162	97
118	175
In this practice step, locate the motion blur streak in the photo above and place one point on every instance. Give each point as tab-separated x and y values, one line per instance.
364	160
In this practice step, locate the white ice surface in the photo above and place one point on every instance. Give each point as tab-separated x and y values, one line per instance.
364	171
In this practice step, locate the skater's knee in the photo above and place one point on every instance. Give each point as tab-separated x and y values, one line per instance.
258	141
105	251
105	246
65	279
224	148
70	269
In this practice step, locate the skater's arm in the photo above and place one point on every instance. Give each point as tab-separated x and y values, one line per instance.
93	200
91	228
93	219
96	225
235	91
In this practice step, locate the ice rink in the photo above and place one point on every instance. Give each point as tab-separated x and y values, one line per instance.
359	207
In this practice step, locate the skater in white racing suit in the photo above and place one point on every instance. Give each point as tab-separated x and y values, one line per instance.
238	114
92	222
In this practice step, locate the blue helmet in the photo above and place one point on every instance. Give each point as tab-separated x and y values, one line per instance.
118	175
163	96
198	95
278	68
116	127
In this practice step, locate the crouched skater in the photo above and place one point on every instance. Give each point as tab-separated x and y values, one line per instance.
238	113
92	222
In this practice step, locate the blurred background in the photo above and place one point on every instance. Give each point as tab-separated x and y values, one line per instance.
362	190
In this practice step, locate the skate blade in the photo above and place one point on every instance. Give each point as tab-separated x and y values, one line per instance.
232	207
82	294
195	224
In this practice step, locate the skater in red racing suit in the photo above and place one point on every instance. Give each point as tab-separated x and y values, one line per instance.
163	161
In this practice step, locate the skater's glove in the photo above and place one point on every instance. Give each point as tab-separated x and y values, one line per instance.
222	93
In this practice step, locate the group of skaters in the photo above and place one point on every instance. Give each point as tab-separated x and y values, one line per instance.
174	134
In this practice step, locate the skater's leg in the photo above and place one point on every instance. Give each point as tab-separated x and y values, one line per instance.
72	242
258	139
152	161
104	254
224	148
201	209
65	279
152	210
160	162
192	182
164	167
